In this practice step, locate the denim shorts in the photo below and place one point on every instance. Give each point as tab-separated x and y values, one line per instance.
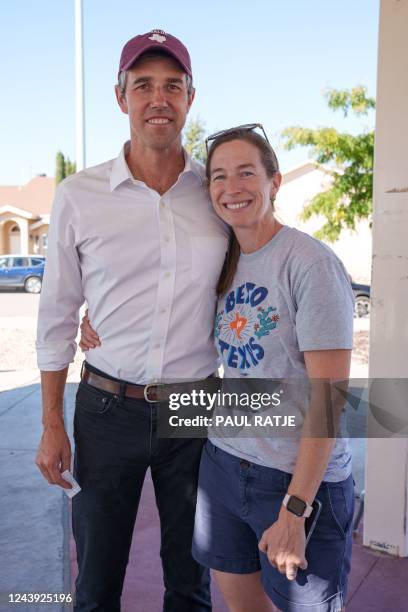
238	500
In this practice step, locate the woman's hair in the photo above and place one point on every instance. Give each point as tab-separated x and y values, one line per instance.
271	165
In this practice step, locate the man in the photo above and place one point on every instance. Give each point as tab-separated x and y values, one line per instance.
132	236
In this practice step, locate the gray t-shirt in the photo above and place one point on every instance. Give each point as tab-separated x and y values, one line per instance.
290	296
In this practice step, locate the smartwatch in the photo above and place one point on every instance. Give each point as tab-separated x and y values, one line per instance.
297	506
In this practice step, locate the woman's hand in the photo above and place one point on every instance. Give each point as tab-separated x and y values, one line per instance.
284	544
89	337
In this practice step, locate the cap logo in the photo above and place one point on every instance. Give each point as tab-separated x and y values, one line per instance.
157	36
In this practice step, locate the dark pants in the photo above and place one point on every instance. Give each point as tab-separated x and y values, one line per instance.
115	443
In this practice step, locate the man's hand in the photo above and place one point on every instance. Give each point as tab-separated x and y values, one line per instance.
54	453
284	544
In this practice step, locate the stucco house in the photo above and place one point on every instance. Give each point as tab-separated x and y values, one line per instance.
25	216
299	185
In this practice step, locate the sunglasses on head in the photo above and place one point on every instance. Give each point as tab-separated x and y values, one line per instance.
246	127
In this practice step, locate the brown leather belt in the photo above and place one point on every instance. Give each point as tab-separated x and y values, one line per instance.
150	393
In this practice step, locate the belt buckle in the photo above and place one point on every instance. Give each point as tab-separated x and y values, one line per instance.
146	394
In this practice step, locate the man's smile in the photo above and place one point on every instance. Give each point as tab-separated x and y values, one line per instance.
159	120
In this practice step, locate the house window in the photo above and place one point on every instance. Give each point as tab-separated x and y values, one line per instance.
36	244
45	241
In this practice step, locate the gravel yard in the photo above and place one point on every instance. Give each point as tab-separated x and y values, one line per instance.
18	349
18	327
18	312
361	346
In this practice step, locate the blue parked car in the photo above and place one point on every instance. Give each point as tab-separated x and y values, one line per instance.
362	299
22	271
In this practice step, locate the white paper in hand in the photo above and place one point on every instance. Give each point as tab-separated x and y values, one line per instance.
75	486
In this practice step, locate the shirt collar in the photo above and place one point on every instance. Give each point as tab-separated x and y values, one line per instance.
194	167
120	170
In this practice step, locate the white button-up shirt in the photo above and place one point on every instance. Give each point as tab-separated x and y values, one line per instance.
146	264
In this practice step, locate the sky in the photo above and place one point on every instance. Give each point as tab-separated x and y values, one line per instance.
266	61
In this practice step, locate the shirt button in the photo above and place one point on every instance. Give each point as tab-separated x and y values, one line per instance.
163	310
162	204
167	275
157	346
167	238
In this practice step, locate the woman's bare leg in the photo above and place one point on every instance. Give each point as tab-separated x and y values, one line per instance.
244	592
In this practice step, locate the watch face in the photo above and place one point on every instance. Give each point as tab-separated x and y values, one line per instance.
296	505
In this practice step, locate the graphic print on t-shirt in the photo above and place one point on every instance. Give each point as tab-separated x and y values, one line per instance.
240	326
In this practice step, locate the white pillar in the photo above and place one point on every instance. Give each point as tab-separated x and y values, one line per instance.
79	88
386	502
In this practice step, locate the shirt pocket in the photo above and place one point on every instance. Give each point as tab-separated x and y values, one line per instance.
207	258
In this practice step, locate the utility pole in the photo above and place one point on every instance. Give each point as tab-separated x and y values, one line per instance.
79	88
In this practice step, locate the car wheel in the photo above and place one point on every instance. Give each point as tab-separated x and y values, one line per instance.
33	284
362	306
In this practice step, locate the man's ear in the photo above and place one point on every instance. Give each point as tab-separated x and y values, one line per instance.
191	99
121	100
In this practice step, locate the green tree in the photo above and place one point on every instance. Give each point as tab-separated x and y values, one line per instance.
59	167
70	167
63	167
194	139
350	159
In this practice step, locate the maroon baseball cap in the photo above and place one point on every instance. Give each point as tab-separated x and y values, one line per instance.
156	39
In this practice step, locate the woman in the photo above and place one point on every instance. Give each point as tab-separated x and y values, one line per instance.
285	311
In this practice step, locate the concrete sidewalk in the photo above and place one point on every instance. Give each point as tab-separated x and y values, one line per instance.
34	533
37	552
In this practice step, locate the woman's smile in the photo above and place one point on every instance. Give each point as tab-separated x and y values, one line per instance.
237	205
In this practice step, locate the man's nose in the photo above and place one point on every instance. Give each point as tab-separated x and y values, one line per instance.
158	99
